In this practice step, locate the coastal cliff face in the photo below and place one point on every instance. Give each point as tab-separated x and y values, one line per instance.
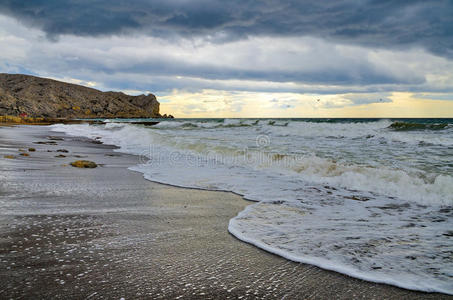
30	96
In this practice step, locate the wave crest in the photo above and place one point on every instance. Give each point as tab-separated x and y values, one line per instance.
407	126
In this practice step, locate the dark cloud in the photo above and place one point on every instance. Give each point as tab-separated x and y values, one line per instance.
356	74
377	23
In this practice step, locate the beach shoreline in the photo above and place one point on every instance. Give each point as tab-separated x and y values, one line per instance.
109	233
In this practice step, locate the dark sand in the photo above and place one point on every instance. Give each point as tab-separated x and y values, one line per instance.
109	233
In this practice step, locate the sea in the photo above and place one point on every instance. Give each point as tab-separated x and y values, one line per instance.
369	198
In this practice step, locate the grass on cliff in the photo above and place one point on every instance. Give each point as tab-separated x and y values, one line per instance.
15	120
22	120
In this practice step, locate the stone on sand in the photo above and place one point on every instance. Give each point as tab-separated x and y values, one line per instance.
84	164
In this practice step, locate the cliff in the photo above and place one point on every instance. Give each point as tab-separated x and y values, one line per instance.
30	96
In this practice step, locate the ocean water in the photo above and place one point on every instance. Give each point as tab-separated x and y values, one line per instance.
369	198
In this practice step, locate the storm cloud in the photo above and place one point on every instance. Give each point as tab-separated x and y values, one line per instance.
377	23
348	53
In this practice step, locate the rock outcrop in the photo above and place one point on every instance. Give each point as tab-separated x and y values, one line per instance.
35	97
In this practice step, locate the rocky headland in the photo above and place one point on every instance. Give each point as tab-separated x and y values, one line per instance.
30	99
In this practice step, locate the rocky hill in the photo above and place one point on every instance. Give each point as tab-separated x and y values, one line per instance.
30	96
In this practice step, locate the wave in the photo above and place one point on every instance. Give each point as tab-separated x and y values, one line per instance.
226	123
405	181
407	126
363	203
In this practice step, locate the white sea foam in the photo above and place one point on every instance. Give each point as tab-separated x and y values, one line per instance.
357	198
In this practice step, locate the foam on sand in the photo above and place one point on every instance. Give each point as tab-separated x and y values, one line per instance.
355	197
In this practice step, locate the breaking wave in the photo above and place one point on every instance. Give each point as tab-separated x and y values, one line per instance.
406	126
359	197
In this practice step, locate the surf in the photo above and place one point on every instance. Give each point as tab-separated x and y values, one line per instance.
353	196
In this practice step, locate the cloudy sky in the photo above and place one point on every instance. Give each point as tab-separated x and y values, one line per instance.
244	58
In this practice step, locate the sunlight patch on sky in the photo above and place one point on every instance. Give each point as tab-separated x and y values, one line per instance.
227	104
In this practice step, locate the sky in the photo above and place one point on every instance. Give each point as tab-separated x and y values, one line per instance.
243	58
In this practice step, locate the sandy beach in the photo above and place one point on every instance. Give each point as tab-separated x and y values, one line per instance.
109	233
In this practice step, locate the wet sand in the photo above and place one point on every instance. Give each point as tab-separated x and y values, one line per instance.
108	233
